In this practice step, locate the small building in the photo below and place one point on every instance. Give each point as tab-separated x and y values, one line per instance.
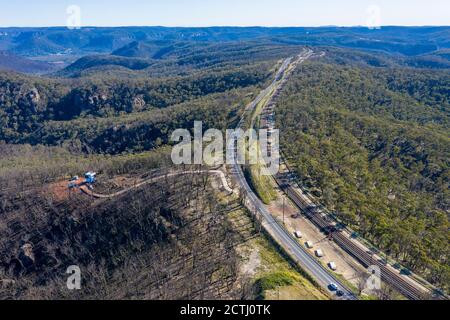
298	234
90	177
309	244
319	253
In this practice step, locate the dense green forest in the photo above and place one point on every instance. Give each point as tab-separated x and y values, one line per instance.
178	58
373	144
110	110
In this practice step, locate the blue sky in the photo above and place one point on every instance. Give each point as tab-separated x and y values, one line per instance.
224	12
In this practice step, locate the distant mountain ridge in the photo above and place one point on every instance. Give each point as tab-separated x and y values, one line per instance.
42	41
128	50
104	60
141	49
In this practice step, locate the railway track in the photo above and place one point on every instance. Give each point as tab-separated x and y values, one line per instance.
312	211
395	280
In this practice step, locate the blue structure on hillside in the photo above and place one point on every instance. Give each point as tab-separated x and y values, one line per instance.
90	177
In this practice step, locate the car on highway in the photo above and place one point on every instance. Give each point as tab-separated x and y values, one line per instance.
340	293
333	287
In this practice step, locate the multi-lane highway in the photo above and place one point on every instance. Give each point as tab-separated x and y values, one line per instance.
280	234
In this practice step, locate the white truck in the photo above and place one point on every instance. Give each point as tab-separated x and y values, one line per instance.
332	266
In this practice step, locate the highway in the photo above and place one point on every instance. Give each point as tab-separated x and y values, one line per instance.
321	275
280	234
402	283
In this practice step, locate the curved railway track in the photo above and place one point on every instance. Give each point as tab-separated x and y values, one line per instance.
402	284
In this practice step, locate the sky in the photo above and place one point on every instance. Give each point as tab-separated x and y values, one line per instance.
199	13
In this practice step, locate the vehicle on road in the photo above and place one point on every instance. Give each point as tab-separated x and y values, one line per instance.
273	227
333	287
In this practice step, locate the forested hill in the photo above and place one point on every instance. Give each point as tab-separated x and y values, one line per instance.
176	58
373	145
150	51
12	62
94	111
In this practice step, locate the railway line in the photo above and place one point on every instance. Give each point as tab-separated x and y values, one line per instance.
395	280
321	220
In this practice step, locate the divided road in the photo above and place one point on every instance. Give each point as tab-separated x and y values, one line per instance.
281	235
321	274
